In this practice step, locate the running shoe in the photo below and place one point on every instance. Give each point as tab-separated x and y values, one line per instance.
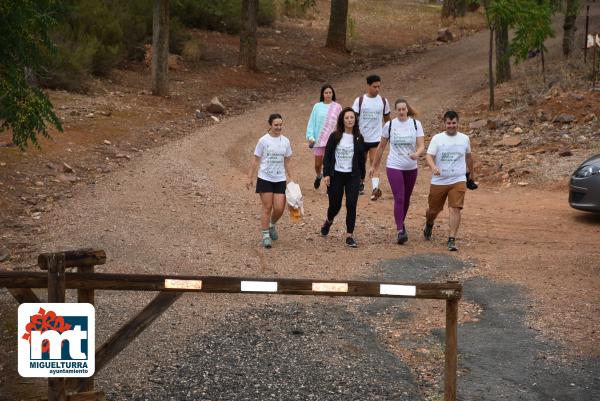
402	236
317	182
361	189
350	242
273	233
427	231
376	194
452	245
325	227
266	242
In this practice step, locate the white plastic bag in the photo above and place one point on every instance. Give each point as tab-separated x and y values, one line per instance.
294	200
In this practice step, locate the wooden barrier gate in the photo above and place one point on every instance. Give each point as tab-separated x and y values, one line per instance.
171	287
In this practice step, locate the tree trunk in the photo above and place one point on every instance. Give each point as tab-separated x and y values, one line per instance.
449	8
160	48
454	8
569	27
461	8
543	61
338	22
502	54
491	105
248	41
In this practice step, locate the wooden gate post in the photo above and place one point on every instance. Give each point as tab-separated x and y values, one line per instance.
451	352
84	260
55	263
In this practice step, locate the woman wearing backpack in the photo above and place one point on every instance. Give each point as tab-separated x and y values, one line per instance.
320	125
343	171
272	158
407	143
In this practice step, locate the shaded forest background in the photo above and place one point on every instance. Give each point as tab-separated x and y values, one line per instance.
61	44
95	36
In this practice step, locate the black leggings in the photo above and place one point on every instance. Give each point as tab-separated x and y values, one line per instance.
340	183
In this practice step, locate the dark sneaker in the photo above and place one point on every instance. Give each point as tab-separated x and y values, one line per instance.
325	227
266	242
452	245
376	194
427	231
402	237
317	182
361	189
273	233
350	242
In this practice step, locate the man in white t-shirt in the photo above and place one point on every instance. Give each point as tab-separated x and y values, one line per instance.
449	157
373	110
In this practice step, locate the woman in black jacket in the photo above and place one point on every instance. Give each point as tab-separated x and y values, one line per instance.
343	171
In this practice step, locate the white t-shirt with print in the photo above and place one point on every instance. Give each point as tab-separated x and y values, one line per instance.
449	153
403	142
371	115
344	153
272	151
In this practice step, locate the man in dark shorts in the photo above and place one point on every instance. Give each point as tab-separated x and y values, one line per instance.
373	110
449	157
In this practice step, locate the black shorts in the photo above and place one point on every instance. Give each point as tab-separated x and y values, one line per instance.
370	145
268	186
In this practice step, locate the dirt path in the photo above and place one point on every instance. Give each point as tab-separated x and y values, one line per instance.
183	209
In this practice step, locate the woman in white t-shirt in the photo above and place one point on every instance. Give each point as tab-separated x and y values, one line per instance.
343	171
272	158
406	138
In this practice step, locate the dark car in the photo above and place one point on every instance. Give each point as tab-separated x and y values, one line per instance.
584	193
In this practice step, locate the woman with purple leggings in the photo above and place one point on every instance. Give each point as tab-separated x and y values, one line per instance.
407	143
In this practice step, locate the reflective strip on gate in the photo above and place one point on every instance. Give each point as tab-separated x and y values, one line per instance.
258	286
394	289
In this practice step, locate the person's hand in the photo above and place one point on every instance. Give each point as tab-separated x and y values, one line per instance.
414	156
249	183
436	171
471	184
371	172
311	143
326	181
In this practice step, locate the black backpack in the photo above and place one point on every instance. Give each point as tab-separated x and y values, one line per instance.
390	128
360	101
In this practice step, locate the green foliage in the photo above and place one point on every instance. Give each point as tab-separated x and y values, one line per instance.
135	18
224	15
267	12
297	8
534	28
92	37
352	30
530	19
24	110
178	35
192	52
